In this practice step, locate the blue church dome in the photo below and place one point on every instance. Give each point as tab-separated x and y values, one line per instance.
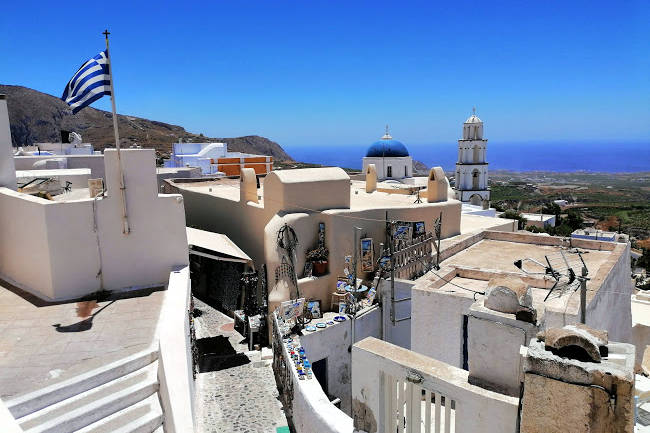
387	147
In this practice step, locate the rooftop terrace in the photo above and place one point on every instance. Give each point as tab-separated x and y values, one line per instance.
41	342
471	260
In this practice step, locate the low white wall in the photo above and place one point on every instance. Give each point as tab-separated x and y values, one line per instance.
175	360
56	250
311	410
610	308
77	177
334	343
94	162
477	409
25	257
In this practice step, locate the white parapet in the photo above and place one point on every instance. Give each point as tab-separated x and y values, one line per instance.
392	385
175	360
7	168
65	250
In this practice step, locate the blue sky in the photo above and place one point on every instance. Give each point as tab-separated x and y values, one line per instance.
307	73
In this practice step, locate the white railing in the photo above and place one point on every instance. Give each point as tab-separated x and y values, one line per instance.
304	400
397	390
420	409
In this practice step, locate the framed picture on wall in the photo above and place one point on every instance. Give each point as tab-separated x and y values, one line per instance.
402	232
291	309
367	255
314	308
418	228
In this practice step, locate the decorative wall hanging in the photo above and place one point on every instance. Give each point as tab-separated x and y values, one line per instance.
308	270
367	255
314	308
262	289
288	241
290	310
248	283
285	270
418	228
287	238
402	232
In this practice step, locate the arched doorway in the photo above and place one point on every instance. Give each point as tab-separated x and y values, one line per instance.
476	200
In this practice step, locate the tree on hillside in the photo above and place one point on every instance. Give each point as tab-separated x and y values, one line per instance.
574	220
644	260
514	215
552	209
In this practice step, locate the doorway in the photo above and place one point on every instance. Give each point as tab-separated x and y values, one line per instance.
465	353
320	372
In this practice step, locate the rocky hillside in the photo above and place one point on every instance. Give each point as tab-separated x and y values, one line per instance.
420	168
37	117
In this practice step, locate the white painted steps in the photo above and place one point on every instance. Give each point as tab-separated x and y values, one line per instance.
143	417
119	397
31	402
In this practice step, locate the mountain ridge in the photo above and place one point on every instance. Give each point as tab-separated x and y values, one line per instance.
37	117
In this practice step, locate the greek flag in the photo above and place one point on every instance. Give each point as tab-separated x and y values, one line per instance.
89	83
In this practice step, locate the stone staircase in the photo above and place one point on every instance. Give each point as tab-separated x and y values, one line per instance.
120	397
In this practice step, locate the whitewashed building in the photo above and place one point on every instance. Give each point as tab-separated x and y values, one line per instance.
391	159
472	167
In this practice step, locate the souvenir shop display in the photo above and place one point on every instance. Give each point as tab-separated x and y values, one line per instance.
367	255
315	308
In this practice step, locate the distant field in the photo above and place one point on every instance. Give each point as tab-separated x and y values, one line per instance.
601	196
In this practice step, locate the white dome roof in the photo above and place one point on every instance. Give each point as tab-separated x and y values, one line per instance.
473	119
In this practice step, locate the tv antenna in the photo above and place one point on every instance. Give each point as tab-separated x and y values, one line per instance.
562	267
418	199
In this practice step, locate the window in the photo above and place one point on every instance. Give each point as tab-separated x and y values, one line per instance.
406	171
389	171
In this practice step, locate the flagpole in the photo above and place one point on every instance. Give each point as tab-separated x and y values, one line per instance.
125	220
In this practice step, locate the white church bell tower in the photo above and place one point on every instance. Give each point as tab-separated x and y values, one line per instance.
472	168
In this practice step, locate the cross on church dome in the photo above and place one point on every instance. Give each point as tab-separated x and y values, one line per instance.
387	135
387	147
473	118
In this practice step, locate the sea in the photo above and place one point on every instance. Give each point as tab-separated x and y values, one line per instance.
557	156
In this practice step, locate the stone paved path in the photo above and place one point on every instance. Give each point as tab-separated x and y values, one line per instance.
242	396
